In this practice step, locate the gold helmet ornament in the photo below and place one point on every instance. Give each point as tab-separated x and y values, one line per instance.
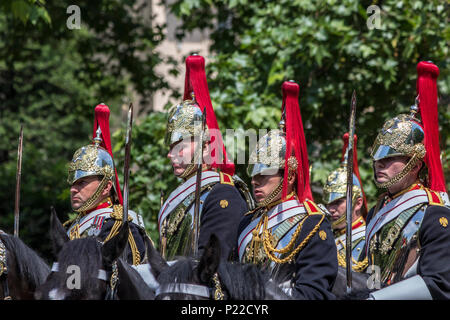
284	148
406	135
184	121
96	160
185	118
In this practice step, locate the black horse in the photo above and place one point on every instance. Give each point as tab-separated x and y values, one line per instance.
88	269
211	278
25	269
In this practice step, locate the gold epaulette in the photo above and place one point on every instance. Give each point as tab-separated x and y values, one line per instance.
434	197
117	213
226	179
311	207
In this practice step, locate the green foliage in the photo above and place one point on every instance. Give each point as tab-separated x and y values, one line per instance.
27	10
51	78
328	49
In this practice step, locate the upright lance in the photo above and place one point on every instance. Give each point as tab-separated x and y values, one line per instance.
349	194
126	172
196	224
18	177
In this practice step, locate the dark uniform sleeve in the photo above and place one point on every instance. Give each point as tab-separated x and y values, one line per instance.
221	213
434	260
369	215
138	236
316	265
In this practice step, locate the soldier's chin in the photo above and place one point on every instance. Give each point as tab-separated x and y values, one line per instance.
259	198
381	178
76	204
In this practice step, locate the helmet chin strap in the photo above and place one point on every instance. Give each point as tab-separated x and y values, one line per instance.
272	196
192	166
399	176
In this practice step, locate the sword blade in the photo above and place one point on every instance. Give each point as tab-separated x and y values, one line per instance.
197	189
126	172
349	194
18	178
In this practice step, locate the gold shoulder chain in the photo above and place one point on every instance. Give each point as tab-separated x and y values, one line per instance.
270	249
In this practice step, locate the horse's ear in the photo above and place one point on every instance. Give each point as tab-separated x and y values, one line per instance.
112	249
57	232
156	261
210	259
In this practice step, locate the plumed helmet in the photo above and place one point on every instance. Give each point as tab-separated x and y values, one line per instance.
185	119
406	135
96	159
285	148
400	136
90	160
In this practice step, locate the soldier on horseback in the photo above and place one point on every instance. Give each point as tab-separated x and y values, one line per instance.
407	234
186	219
95	193
288	233
334	197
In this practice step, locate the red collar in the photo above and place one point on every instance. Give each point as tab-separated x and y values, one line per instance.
105	204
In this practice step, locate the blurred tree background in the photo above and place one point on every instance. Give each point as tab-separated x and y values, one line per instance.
51	78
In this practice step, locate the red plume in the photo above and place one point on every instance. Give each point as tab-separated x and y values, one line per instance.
427	91
195	81
345	146
101	118
295	141
355	163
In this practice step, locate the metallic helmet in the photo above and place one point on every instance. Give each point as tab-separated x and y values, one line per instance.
269	154
185	121
92	160
401	136
336	186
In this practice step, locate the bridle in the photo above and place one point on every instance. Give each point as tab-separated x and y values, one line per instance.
4	271
203	291
110	277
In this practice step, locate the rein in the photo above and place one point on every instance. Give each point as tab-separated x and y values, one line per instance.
111	278
198	290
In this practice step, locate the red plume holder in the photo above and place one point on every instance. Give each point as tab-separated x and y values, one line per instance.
428	105
101	118
295	141
195	81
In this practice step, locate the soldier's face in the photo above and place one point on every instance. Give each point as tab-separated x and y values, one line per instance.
387	168
180	155
83	189
337	209
263	185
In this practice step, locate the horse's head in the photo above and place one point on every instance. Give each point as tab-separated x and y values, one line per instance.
21	269
211	278
190	279
85	268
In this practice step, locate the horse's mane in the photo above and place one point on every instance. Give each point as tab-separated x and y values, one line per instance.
243	281
132	278
84	253
29	264
181	271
